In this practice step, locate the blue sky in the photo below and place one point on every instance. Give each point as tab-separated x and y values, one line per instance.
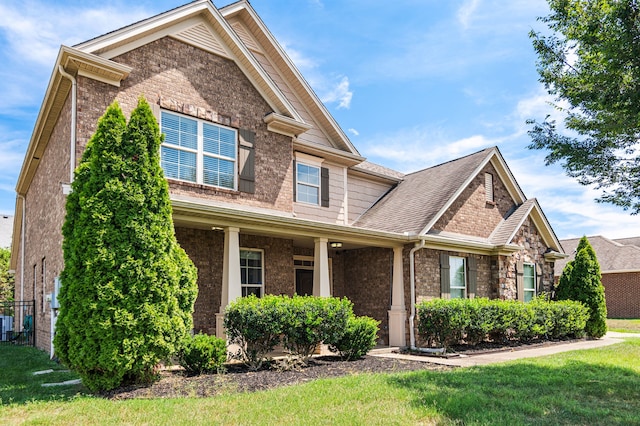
413	83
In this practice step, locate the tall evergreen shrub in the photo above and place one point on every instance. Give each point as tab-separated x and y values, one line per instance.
581	281
128	289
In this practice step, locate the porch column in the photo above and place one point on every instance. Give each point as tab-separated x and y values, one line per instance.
398	311
321	268
231	284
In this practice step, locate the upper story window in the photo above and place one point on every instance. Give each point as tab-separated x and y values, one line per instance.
308	183
458	277
197	151
529	281
311	184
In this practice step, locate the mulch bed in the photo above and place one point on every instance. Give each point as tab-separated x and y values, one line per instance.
175	383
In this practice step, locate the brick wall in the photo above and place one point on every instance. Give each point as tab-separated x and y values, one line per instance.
471	214
534	250
45	214
622	292
367	283
427	270
194	82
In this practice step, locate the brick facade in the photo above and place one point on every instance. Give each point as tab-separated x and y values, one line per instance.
191	81
622	293
471	214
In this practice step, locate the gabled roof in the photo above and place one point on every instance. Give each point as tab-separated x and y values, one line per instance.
417	202
613	255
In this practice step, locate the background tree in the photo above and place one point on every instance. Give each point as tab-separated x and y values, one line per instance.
6	279
581	281
128	289
591	63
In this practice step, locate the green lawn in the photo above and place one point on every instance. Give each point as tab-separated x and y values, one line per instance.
624	325
598	386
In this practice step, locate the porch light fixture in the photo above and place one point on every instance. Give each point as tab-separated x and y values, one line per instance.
335	244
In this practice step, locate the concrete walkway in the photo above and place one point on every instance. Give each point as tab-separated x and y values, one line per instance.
508	355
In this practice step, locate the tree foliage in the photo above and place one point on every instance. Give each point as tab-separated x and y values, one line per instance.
6	279
128	289
591	64
581	281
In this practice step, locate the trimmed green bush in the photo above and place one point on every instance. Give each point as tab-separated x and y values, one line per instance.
313	320
202	353
359	337
449	322
128	289
255	325
443	322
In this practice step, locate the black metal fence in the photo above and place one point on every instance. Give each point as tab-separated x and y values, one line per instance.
17	323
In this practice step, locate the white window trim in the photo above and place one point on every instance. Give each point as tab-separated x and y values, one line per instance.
261	251
200	154
451	275
524	280
310	161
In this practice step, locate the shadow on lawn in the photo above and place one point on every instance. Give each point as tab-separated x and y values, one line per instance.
526	393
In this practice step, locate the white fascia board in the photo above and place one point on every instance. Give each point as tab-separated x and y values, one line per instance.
439	242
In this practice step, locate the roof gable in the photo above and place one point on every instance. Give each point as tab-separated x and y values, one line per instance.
416	203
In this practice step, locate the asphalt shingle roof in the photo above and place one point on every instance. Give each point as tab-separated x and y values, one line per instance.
503	232
415	201
612	254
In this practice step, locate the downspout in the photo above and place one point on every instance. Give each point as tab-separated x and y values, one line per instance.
412	270
74	108
22	239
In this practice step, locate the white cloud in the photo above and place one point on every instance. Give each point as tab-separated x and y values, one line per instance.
466	11
339	93
354	132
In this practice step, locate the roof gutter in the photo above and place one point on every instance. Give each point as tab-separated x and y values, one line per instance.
74	114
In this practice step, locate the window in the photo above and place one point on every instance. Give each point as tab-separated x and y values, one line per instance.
488	187
197	151
307	183
457	277
529	280
251	272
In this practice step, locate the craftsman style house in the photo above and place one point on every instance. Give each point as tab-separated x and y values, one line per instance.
269	195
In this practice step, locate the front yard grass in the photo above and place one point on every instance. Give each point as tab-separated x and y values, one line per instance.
597	386
624	325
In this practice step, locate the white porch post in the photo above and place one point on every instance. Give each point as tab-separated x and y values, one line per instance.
231	284
398	311
321	285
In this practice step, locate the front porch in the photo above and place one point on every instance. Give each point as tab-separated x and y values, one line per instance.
234	261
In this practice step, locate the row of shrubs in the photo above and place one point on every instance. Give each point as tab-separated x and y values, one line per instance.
444	323
255	326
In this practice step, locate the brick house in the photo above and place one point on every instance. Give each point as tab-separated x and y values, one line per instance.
619	261
269	195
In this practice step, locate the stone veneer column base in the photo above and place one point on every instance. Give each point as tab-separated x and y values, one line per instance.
397	327
220	326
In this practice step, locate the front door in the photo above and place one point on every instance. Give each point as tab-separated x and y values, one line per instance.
304	282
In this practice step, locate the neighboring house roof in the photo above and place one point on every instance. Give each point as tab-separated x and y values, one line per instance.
613	255
6	229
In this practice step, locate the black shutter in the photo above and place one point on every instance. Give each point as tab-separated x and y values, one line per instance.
324	187
246	162
445	279
473	277
520	279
